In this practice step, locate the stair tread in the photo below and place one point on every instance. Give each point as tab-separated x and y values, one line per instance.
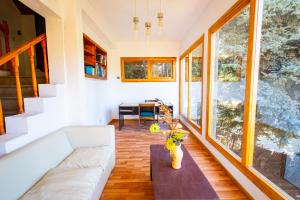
10	113
14	86
27	114
10	136
13	97
8	98
10	76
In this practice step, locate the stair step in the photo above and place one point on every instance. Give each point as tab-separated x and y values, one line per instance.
42	116
8	113
10	90
9	104
25	80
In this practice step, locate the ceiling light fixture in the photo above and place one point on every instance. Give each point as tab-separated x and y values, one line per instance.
148	28
135	19
148	23
160	17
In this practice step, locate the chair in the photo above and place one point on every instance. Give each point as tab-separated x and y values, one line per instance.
151	101
146	112
156	101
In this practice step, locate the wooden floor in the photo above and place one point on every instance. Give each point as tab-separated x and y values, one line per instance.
130	178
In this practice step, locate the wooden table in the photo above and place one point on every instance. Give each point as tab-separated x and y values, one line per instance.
186	183
133	109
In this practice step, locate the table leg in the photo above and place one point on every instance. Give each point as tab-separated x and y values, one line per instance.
121	121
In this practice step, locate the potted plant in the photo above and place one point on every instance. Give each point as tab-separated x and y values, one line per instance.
175	135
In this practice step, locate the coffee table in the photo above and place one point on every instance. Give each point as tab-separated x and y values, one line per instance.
186	183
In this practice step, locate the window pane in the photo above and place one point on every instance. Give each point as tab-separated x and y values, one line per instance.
277	133
231	43
196	84
162	70
136	69
184	86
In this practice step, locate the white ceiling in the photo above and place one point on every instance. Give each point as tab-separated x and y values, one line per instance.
179	16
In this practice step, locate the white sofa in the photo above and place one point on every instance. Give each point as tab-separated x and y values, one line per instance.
72	163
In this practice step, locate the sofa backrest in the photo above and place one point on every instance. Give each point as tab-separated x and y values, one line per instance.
21	169
88	136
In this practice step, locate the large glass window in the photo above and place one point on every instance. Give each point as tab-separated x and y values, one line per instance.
196	83
191	83
161	70
230	46
184	86
136	69
148	69
277	131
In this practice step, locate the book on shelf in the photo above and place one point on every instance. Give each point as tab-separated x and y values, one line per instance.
89	69
101	58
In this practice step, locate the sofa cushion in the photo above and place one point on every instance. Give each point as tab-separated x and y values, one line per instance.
67	184
88	157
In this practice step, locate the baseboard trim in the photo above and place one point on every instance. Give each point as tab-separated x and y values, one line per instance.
126	120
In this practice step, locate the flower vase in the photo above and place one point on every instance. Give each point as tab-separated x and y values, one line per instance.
177	157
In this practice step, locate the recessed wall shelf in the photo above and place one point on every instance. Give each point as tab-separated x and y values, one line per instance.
95	59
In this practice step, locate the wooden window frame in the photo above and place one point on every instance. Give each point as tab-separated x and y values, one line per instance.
245	163
189	77
150	61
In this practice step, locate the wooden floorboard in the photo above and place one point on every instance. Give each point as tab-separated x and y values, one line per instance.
130	178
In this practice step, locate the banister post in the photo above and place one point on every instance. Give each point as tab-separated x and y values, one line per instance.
15	63
2	129
0	45
44	46
33	74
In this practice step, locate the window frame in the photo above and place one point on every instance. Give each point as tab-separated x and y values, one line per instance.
244	165
188	76
150	61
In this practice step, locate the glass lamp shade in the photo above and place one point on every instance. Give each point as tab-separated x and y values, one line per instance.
148	28
160	17
135	23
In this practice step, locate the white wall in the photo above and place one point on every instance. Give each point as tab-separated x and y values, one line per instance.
98	92
211	14
138	92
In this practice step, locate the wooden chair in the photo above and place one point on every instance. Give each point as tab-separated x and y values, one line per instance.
156	101
151	101
146	112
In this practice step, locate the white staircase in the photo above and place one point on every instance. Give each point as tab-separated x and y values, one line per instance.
43	115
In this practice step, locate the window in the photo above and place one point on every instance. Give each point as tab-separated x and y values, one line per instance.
191	64
253	112
277	127
196	84
231	43
148	69
136	69
161	69
184	62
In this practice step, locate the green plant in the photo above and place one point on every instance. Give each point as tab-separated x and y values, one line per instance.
175	135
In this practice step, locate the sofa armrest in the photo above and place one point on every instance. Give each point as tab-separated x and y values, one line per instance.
91	136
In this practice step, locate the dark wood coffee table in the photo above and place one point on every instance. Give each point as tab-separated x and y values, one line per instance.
186	183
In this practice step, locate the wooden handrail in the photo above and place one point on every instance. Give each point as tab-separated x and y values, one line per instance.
44	46
13	57
2	129
4	59
0	45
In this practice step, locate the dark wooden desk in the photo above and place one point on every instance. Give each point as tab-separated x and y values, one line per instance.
186	183
133	109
